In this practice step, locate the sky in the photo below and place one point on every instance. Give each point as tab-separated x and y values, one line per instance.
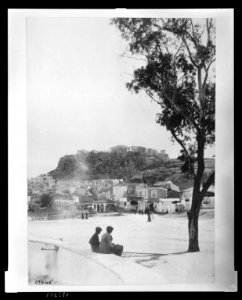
76	94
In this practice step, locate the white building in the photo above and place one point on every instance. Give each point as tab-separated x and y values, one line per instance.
208	202
119	191
166	205
142	204
209	199
186	198
124	203
142	192
75	198
99	206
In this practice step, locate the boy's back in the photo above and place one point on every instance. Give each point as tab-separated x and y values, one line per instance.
94	241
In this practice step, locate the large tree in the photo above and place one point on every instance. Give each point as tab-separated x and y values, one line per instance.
176	74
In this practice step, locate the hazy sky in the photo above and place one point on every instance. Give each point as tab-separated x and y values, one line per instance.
77	97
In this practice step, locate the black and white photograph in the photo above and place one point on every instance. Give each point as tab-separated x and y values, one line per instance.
121	150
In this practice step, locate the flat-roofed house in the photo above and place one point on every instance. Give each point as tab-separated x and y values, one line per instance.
120	191
142	194
150	195
186	197
169	204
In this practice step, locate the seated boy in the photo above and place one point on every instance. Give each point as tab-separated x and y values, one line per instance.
106	245
94	240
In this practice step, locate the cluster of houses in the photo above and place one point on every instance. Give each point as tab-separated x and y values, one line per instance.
40	185
109	194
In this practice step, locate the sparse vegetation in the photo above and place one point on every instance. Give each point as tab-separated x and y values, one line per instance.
98	165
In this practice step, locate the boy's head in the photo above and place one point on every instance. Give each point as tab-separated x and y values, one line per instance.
109	229
98	229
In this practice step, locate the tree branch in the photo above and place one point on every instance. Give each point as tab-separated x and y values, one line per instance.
175	107
208	183
151	96
206	74
186	116
127	56
189	52
178	50
183	147
193	38
179	141
209	26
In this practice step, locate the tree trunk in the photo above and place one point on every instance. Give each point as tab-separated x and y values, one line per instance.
197	197
193	231
193	215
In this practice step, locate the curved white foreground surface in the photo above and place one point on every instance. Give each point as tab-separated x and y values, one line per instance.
68	266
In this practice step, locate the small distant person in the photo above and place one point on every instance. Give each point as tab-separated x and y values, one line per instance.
94	240
82	216
86	215
142	212
106	245
149	219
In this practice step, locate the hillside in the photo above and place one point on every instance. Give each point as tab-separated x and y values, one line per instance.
95	165
69	167
132	166
171	170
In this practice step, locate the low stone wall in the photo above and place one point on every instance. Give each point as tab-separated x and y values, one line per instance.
63	265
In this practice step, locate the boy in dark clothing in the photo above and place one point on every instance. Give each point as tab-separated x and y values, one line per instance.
94	240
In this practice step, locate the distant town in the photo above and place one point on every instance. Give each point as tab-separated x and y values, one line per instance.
69	198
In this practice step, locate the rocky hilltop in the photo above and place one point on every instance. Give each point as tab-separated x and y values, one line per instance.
134	167
69	167
96	165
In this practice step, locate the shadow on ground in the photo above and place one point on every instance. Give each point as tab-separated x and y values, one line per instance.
149	257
